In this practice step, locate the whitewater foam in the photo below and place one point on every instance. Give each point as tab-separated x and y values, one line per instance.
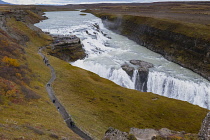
107	52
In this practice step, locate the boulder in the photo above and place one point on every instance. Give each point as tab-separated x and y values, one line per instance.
148	134
115	134
165	132
68	48
144	134
204	132
142	64
128	69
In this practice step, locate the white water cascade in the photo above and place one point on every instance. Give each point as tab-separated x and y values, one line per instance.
107	52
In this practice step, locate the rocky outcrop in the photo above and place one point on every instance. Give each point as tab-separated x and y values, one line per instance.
144	134
115	134
184	49
142	68
204	133
67	48
147	134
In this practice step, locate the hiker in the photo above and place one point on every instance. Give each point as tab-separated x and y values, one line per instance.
54	101
58	107
72	124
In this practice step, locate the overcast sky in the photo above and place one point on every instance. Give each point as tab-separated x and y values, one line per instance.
61	2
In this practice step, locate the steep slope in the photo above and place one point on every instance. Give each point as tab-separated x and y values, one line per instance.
26	111
96	104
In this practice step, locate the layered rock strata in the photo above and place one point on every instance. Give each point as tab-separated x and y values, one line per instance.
142	68
192	52
67	48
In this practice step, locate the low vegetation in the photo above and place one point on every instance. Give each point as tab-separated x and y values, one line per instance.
96	104
26	111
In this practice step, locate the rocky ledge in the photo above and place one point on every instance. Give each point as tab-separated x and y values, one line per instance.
67	48
142	68
146	134
163	133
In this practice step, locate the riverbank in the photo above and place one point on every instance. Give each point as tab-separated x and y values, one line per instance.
167	31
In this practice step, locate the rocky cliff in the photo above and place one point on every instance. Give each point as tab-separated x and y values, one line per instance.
67	48
142	69
186	45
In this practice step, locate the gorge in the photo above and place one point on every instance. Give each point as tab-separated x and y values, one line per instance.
94	103
108	51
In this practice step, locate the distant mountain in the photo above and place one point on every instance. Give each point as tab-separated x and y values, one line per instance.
2	2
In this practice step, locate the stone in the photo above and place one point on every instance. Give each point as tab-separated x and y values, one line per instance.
68	48
128	69
204	132
115	134
144	134
142	63
142	75
165	132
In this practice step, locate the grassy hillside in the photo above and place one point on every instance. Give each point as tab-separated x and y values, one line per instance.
26	111
94	103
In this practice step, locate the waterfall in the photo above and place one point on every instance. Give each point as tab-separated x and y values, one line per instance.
165	85
107	52
117	75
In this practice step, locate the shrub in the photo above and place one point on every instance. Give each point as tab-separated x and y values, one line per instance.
10	61
35	130
29	94
54	136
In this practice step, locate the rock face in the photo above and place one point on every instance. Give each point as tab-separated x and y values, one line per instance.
190	52
147	134
114	134
143	134
142	68
68	48
204	133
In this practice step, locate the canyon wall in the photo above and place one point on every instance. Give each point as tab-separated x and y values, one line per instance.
186	45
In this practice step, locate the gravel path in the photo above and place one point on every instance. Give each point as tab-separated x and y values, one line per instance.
67	117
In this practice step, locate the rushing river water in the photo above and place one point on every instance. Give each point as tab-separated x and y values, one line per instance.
107	51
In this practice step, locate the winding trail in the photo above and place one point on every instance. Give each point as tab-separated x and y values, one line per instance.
67	117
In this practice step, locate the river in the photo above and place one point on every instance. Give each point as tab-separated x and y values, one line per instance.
108	51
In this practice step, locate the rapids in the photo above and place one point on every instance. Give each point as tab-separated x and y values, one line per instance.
107	51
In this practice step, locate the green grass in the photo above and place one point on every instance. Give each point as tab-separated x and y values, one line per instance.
96	104
33	119
199	31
